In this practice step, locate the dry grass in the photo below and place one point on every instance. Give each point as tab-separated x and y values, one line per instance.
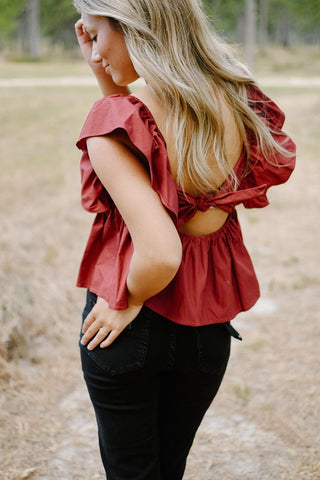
42	238
297	60
265	422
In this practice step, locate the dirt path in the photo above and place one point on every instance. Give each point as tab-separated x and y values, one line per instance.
78	81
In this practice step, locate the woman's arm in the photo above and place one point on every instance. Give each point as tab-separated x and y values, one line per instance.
107	85
157	245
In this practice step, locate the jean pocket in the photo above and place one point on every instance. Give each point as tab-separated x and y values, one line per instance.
213	348
91	300
128	351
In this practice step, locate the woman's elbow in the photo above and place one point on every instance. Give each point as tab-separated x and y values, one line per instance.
176	257
170	257
166	258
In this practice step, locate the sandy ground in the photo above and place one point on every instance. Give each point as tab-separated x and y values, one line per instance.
264	424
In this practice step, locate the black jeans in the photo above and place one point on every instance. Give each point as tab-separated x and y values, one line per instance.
150	390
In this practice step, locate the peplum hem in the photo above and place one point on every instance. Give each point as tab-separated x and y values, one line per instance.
215	281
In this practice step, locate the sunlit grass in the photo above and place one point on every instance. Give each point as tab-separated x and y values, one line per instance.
39	126
294	60
68	67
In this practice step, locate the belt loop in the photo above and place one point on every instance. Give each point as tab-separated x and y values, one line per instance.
233	332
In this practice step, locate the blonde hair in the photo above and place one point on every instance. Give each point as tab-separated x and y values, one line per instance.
189	68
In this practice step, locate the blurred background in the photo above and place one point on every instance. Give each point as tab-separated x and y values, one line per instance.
265	422
38	29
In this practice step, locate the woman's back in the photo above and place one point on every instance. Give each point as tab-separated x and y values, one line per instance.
202	223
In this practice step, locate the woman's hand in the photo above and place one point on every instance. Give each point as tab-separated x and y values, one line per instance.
103	322
85	43
107	85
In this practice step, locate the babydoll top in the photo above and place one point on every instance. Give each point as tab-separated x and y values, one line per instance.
216	278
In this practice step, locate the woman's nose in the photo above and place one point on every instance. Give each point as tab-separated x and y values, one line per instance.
95	57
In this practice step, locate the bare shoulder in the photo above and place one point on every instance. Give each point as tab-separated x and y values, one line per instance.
160	117
232	138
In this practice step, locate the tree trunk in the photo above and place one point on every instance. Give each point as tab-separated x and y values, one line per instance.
33	28
285	22
263	26
250	31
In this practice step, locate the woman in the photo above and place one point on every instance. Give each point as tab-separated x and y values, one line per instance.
165	266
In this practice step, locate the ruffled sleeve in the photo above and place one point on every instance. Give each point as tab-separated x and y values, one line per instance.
264	171
127	114
105	264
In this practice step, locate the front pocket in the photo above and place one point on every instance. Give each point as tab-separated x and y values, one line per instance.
213	348
127	353
91	300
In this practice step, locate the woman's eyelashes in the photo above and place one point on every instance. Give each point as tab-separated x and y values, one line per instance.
92	37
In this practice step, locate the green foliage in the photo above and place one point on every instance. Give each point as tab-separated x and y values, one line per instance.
58	19
306	15
300	18
224	14
9	12
303	17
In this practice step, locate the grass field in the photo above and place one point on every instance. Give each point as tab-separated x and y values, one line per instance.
264	424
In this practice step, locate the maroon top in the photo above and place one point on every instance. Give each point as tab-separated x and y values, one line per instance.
216	279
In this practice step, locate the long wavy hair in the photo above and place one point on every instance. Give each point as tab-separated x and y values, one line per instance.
190	69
